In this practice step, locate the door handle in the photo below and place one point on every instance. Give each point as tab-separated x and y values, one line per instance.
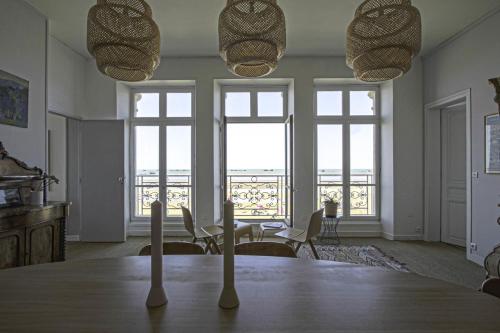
121	180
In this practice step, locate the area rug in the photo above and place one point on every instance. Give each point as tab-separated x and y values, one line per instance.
361	255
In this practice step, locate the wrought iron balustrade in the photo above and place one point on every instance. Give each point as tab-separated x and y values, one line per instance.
178	193
255	196
258	196
362	192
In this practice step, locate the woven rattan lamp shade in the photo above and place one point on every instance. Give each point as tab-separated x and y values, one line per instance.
383	38
124	39
252	36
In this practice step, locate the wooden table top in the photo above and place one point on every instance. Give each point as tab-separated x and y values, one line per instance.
276	295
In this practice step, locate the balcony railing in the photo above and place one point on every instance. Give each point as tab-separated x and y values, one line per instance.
256	197
178	192
362	193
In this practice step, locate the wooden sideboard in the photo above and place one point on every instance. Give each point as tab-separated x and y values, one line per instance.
33	234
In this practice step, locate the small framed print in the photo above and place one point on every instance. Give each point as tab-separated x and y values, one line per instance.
492	143
10	197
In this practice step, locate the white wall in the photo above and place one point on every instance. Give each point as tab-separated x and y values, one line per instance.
23	53
101	94
66	80
408	140
467	63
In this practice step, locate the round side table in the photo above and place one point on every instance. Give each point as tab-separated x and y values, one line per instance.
330	225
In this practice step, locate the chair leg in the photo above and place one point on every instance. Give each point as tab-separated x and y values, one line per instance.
207	246
215	246
298	248
313	249
194	239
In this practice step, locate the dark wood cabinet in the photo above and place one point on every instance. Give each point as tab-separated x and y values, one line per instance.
32	235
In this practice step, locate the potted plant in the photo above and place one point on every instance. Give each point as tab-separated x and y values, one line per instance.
331	207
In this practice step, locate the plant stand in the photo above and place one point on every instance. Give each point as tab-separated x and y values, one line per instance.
330	225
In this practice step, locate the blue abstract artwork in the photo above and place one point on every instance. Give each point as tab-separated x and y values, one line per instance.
14	93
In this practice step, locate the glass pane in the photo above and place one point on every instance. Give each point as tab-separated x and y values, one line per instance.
147	155
329	103
333	192
270	104
256	170
147	105
237	104
363	154
178	169
146	168
362	103
179	105
329	164
363	200
329	154
362	170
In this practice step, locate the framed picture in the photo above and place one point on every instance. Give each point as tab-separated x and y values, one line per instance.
492	143
14	94
10	197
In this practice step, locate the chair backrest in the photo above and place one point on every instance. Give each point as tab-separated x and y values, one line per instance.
265	249
491	286
172	248
188	220
314	227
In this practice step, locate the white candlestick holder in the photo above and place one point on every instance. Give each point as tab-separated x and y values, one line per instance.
228	298
157	296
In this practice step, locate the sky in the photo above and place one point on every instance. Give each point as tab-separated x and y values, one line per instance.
255	146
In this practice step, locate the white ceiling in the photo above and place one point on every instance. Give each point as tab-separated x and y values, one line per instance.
314	27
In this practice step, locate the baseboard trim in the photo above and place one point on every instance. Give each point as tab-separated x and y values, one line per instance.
389	236
166	233
365	230
476	258
72	238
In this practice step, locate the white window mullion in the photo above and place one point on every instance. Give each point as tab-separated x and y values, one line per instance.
346	152
253	104
163	151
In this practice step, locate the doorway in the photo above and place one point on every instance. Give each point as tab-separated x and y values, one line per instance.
453	175
448	171
259	171
257	157
57	160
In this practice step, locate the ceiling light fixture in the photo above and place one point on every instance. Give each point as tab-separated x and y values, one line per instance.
252	36
124	39
383	38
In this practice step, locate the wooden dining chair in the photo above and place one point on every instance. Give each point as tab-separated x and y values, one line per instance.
491	286
299	236
272	249
172	248
208	235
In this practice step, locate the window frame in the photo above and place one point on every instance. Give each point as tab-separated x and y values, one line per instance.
254	90
162	122
346	120
252	119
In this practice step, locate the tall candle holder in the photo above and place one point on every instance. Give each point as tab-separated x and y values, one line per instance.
228	298
156	297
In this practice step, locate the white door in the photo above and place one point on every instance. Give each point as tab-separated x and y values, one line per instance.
453	186
103	176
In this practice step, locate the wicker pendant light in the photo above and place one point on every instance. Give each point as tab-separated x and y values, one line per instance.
383	38
252	36
124	39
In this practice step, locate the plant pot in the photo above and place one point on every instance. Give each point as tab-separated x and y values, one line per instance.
331	209
36	198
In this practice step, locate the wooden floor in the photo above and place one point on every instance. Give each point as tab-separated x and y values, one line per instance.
436	260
